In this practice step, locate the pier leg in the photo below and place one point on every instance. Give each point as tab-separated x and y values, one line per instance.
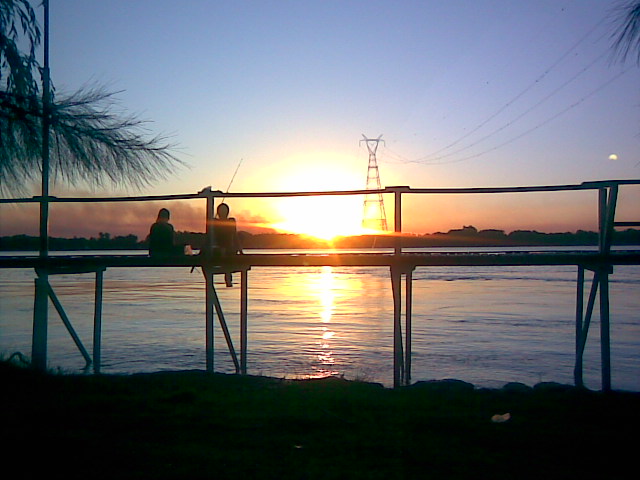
67	324
243	320
606	212
213	302
97	322
398	367
605	341
408	327
225	329
584	327
40	323
577	371
208	277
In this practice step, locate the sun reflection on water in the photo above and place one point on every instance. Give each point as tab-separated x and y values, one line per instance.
326	295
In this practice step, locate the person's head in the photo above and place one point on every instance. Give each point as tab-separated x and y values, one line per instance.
163	215
223	210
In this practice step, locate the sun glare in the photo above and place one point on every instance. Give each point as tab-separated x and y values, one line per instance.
321	217
324	217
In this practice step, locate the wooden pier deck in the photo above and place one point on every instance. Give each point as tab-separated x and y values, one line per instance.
405	260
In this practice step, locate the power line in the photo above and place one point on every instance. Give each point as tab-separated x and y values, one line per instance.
523	114
433	157
521	94
536	127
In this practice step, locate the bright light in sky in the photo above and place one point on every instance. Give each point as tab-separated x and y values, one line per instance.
323	216
613	156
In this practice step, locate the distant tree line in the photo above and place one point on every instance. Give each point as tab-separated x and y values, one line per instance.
104	241
467	236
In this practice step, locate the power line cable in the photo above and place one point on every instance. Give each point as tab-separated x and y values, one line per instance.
525	113
430	159
536	127
519	95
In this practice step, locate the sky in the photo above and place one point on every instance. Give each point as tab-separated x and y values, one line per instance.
465	93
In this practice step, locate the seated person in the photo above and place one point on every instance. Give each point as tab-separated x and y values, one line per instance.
226	235
162	237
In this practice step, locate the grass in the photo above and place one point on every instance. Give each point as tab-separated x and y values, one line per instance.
196	425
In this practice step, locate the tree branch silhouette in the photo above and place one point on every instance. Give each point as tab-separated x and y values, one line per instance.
626	40
90	141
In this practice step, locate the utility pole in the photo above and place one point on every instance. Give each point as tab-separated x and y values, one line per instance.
41	302
374	216
46	120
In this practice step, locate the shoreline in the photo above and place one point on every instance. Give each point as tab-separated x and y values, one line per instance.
190	423
465	237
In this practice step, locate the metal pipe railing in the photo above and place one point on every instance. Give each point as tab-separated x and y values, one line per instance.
597	185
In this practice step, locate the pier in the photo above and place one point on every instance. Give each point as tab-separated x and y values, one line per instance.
401	264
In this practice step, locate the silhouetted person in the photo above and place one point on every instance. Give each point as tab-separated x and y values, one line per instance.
162	237
226	235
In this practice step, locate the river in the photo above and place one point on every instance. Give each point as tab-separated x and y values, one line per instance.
484	325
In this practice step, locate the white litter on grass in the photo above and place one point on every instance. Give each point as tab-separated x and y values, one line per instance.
497	418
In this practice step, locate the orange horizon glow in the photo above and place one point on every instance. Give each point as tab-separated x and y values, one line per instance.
326	216
323	218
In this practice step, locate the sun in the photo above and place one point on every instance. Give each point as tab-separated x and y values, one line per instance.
325	217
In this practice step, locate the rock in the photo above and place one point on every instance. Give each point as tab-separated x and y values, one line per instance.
448	385
517	387
552	387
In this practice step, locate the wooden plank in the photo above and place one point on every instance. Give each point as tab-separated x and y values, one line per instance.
405	261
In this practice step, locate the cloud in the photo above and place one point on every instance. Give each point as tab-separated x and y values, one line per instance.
89	219
253	223
117	218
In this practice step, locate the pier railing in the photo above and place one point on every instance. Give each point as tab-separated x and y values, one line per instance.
607	200
401	266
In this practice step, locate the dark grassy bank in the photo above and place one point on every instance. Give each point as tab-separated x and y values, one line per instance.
194	425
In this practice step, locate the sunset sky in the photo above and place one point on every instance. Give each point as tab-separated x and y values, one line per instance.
465	93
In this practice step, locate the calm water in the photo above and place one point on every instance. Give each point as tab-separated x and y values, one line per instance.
487	326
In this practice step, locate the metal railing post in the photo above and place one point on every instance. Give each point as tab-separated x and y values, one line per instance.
397	217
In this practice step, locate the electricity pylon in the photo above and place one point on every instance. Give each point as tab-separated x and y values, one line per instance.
374	216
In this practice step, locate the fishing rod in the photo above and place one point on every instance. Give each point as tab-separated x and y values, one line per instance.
233	177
